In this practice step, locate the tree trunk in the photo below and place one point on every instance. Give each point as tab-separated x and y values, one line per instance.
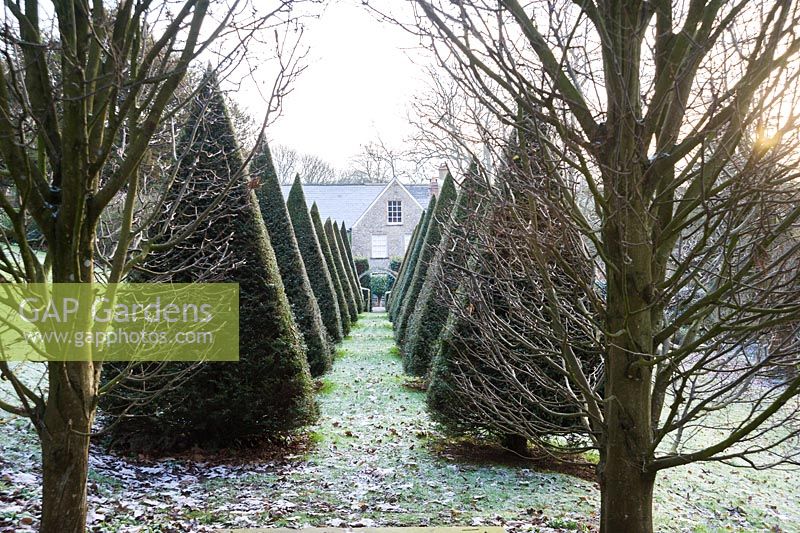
65	447
516	443
64	470
72	386
625	479
626	496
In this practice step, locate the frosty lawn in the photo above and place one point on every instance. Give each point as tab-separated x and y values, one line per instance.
374	463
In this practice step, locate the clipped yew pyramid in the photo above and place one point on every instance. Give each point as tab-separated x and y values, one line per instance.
290	262
349	266
433	234
409	264
344	305
430	312
269	390
394	293
316	267
348	247
347	287
483	381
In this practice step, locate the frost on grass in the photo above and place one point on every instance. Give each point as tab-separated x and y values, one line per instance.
375	462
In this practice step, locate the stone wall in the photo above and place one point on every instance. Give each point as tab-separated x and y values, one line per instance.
375	222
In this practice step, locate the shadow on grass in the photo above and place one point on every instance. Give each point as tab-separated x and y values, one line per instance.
476	452
276	449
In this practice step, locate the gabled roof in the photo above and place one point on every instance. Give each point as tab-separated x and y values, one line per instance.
348	202
421	193
380	195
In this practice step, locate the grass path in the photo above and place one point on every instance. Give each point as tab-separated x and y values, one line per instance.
376	460
373	463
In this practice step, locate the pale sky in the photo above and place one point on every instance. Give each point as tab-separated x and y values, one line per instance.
358	85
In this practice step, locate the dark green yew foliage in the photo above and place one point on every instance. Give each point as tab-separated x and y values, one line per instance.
367	295
401	272
290	262
341	270
338	285
433	235
348	248
396	262
362	265
314	259
343	243
408	263
444	394
483	381
457	366
467	393
270	389
364	280
430	311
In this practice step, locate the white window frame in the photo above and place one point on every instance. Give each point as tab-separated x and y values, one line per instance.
406	241
376	246
398	211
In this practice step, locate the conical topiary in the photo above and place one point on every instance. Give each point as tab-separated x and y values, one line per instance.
410	264
348	249
347	287
433	234
349	267
395	289
314	260
348	244
344	306
487	381
290	262
269	389
430	312
407	265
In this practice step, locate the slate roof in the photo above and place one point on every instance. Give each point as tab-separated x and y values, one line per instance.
348	202
422	193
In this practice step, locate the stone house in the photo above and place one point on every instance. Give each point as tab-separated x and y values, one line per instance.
380	217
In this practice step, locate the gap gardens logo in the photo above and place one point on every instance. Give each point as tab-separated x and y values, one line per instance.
119	322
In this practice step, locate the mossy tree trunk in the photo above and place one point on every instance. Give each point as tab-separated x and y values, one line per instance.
54	149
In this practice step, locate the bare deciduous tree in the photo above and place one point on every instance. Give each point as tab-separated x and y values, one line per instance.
79	112
311	168
679	120
377	163
449	124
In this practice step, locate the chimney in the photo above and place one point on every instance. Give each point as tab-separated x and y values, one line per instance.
435	180
443	171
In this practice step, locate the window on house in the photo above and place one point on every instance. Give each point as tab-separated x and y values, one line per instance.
395	212
406	242
379	246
